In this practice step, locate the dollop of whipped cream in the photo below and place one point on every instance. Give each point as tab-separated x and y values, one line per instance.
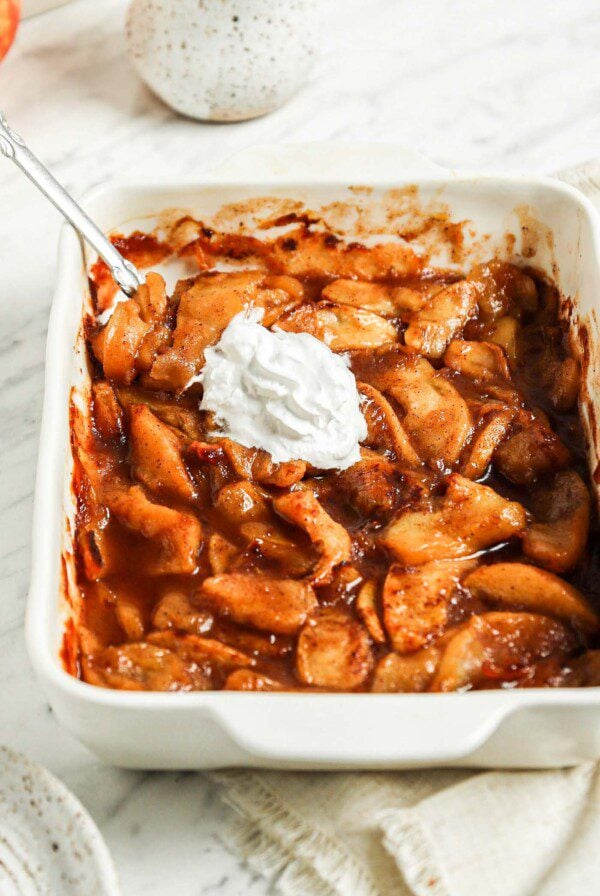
287	393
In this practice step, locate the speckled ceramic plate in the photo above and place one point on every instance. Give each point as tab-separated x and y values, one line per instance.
49	845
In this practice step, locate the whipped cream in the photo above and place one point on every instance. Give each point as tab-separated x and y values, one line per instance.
287	393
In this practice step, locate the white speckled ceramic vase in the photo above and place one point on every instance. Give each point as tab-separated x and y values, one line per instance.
223	60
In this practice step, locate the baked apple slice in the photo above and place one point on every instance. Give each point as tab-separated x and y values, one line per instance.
406	673
333	651
470	518
443	317
558	537
417	601
331	540
274	605
499	647
533	589
340	327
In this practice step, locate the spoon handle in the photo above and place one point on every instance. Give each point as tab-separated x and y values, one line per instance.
13	147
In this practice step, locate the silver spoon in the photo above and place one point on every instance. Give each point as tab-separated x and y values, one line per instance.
13	147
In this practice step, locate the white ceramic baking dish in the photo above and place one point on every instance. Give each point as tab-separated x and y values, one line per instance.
555	228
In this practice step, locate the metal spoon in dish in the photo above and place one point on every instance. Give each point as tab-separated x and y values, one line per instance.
13	147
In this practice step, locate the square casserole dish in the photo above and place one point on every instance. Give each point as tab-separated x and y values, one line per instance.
538	221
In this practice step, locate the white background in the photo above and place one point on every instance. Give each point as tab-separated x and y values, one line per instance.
478	84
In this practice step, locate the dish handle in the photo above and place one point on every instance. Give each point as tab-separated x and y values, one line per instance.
325	161
368	731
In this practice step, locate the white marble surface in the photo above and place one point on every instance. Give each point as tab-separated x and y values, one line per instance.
479	84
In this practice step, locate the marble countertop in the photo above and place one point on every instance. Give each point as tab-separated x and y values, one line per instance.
475	84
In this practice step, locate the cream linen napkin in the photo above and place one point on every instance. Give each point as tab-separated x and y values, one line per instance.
428	833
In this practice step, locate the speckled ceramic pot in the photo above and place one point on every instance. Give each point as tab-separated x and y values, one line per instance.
223	60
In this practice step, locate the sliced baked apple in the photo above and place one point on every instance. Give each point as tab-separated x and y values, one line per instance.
384	427
156	455
410	673
499	647
199	650
177	535
436	417
563	381
373	486
366	607
302	509
108	413
495	427
340	327
152	298
313	253
243	502
558	538
432	328
221	553
470	518
504	289
206	305
274	605
333	651
388	301
480	361
375	297
248	680
505	333
533	589
117	345
417	601
185	419
533	451
141	667
256	464
176	611
292	558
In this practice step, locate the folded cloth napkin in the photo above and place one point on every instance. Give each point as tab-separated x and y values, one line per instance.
428	833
